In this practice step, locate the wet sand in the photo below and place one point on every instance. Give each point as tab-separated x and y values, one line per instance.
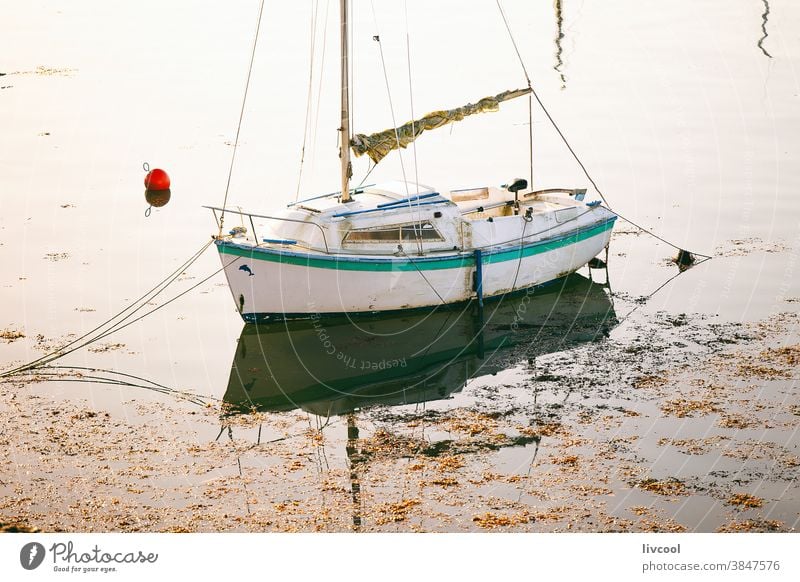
689	425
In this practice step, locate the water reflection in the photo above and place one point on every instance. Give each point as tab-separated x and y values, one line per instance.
559	37
355	460
334	368
764	19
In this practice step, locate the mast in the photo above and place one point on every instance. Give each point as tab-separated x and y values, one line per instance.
344	149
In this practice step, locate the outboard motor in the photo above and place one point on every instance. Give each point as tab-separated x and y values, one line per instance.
515	186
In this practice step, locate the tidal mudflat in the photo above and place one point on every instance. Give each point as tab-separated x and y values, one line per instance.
683	424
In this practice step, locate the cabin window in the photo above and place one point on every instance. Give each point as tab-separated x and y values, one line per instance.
395	234
566	215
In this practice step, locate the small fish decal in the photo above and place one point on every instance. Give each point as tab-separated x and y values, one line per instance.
247	270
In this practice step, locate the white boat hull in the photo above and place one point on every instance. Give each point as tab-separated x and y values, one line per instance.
269	283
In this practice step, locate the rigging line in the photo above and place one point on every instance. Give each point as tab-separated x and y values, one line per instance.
244	390
112	382
350	61
569	147
104	371
439	333
238	453
364	179
649	296
548	229
528	79
413	121
594	184
377	38
521	245
48	374
654	235
566	143
162	387
60	377
118	327
176	297
319	82
530	135
514	42
241	116
403	253
61	353
314	14
148	296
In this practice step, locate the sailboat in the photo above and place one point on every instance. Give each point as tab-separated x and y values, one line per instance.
400	246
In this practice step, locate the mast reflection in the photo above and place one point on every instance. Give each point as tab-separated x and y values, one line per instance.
558	39
764	19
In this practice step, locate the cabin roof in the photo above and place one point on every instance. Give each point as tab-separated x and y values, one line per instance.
372	200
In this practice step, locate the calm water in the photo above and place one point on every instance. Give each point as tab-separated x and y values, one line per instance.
686	114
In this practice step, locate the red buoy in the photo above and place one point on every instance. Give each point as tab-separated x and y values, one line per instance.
156	179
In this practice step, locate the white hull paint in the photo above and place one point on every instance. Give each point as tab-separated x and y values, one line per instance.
276	284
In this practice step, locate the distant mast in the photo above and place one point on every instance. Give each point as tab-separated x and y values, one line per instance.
344	150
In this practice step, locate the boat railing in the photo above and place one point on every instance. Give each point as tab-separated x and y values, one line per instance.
250	215
485	207
570	191
577	193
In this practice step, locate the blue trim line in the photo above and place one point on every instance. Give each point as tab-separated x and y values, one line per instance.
409	199
359	190
353	213
450	261
279	241
468	189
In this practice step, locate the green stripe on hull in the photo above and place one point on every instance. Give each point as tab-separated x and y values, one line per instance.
423	264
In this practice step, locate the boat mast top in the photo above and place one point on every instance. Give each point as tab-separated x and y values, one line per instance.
344	129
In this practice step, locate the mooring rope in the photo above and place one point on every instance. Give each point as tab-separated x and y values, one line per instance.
645	298
79	374
137	305
116	326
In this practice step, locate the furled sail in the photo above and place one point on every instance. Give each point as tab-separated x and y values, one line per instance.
378	145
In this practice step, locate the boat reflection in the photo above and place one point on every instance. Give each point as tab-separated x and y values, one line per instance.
331	368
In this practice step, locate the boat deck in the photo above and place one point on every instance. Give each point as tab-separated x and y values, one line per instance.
381	219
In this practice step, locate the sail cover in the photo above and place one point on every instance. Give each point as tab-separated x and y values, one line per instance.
378	145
